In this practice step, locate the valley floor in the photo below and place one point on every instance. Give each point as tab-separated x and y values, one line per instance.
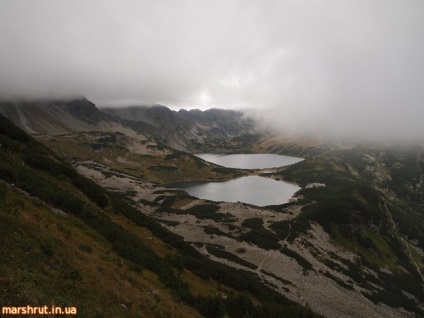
302	275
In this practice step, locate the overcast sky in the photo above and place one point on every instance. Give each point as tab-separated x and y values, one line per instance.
346	66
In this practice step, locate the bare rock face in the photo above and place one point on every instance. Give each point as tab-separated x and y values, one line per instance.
53	116
83	109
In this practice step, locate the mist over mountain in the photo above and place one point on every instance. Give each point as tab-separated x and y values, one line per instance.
105	105
183	130
351	68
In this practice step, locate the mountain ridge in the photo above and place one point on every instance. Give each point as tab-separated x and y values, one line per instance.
182	130
185	130
53	116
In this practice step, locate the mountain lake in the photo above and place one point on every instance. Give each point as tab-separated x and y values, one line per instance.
259	191
249	161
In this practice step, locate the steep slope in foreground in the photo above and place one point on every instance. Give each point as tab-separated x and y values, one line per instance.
69	242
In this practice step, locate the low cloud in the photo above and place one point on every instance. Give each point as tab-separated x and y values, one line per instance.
351	68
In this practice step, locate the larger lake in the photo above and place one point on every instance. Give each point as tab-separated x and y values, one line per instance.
254	190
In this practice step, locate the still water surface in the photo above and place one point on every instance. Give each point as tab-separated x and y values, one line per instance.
255	190
249	161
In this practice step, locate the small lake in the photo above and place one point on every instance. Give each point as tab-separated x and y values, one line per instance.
254	190
249	161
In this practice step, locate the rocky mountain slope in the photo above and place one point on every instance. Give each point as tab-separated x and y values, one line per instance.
340	247
192	130
65	236
54	117
349	245
369	200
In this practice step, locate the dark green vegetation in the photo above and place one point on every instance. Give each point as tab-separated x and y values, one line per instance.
201	211
260	236
373	205
230	256
299	258
253	223
216	231
96	247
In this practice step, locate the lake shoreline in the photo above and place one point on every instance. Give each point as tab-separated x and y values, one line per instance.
257	188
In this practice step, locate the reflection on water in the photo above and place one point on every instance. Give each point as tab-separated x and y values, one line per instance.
255	190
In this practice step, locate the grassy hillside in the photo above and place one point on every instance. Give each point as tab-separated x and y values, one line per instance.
53	259
64	237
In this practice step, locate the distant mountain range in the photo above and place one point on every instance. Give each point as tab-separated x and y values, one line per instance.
183	130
